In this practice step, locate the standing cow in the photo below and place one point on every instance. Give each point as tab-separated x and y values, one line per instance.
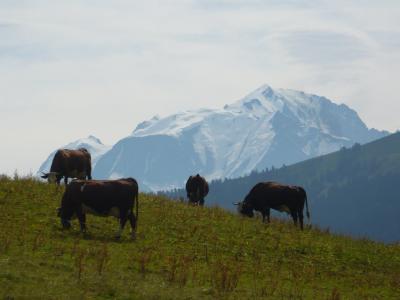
285	198
70	163
196	189
101	198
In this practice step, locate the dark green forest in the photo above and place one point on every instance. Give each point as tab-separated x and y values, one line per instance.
354	191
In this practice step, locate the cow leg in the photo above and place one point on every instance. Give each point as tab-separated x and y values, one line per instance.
66	180
268	211
132	220
89	174
301	217
82	219
294	216
122	221
202	201
265	213
58	179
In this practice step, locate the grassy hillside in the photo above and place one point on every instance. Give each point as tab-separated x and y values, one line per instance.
181	252
352	191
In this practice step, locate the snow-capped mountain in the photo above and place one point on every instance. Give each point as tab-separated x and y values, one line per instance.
95	147
269	127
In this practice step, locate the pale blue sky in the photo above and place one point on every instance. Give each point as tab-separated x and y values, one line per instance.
73	68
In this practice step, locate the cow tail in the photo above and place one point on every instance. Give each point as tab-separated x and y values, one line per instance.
307	211
137	207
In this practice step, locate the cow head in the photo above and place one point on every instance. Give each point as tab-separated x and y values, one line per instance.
51	177
244	208
65	222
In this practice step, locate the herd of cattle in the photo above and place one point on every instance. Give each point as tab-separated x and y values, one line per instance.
119	197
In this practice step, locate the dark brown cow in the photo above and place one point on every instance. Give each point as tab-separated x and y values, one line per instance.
70	163
196	189
285	198
101	198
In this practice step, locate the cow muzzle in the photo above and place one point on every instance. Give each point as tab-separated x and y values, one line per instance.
238	205
51	177
65	224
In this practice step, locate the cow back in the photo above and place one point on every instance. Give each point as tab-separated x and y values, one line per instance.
197	184
275	195
100	196
73	163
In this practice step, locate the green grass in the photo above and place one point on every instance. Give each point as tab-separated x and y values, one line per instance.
181	252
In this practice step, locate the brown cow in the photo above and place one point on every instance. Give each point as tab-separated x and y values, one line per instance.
101	198
69	163
285	198
196	189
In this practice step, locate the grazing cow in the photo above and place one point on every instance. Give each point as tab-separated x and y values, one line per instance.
266	195
196	189
69	163
101	198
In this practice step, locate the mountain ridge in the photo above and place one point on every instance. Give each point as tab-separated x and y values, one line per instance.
268	127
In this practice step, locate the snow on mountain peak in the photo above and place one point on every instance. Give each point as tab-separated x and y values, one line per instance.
264	103
268	127
94	139
172	125
273	100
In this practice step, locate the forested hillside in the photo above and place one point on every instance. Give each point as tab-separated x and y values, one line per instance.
353	191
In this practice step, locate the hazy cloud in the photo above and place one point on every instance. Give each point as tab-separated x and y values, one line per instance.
324	47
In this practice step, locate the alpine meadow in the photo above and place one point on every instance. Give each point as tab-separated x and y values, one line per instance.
180	252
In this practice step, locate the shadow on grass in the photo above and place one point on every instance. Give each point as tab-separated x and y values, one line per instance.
107	236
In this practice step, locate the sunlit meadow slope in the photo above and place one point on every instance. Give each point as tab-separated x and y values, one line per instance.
181	252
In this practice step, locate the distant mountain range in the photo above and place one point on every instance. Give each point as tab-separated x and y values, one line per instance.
269	127
352	191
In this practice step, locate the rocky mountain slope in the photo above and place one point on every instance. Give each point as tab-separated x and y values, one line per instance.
268	127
